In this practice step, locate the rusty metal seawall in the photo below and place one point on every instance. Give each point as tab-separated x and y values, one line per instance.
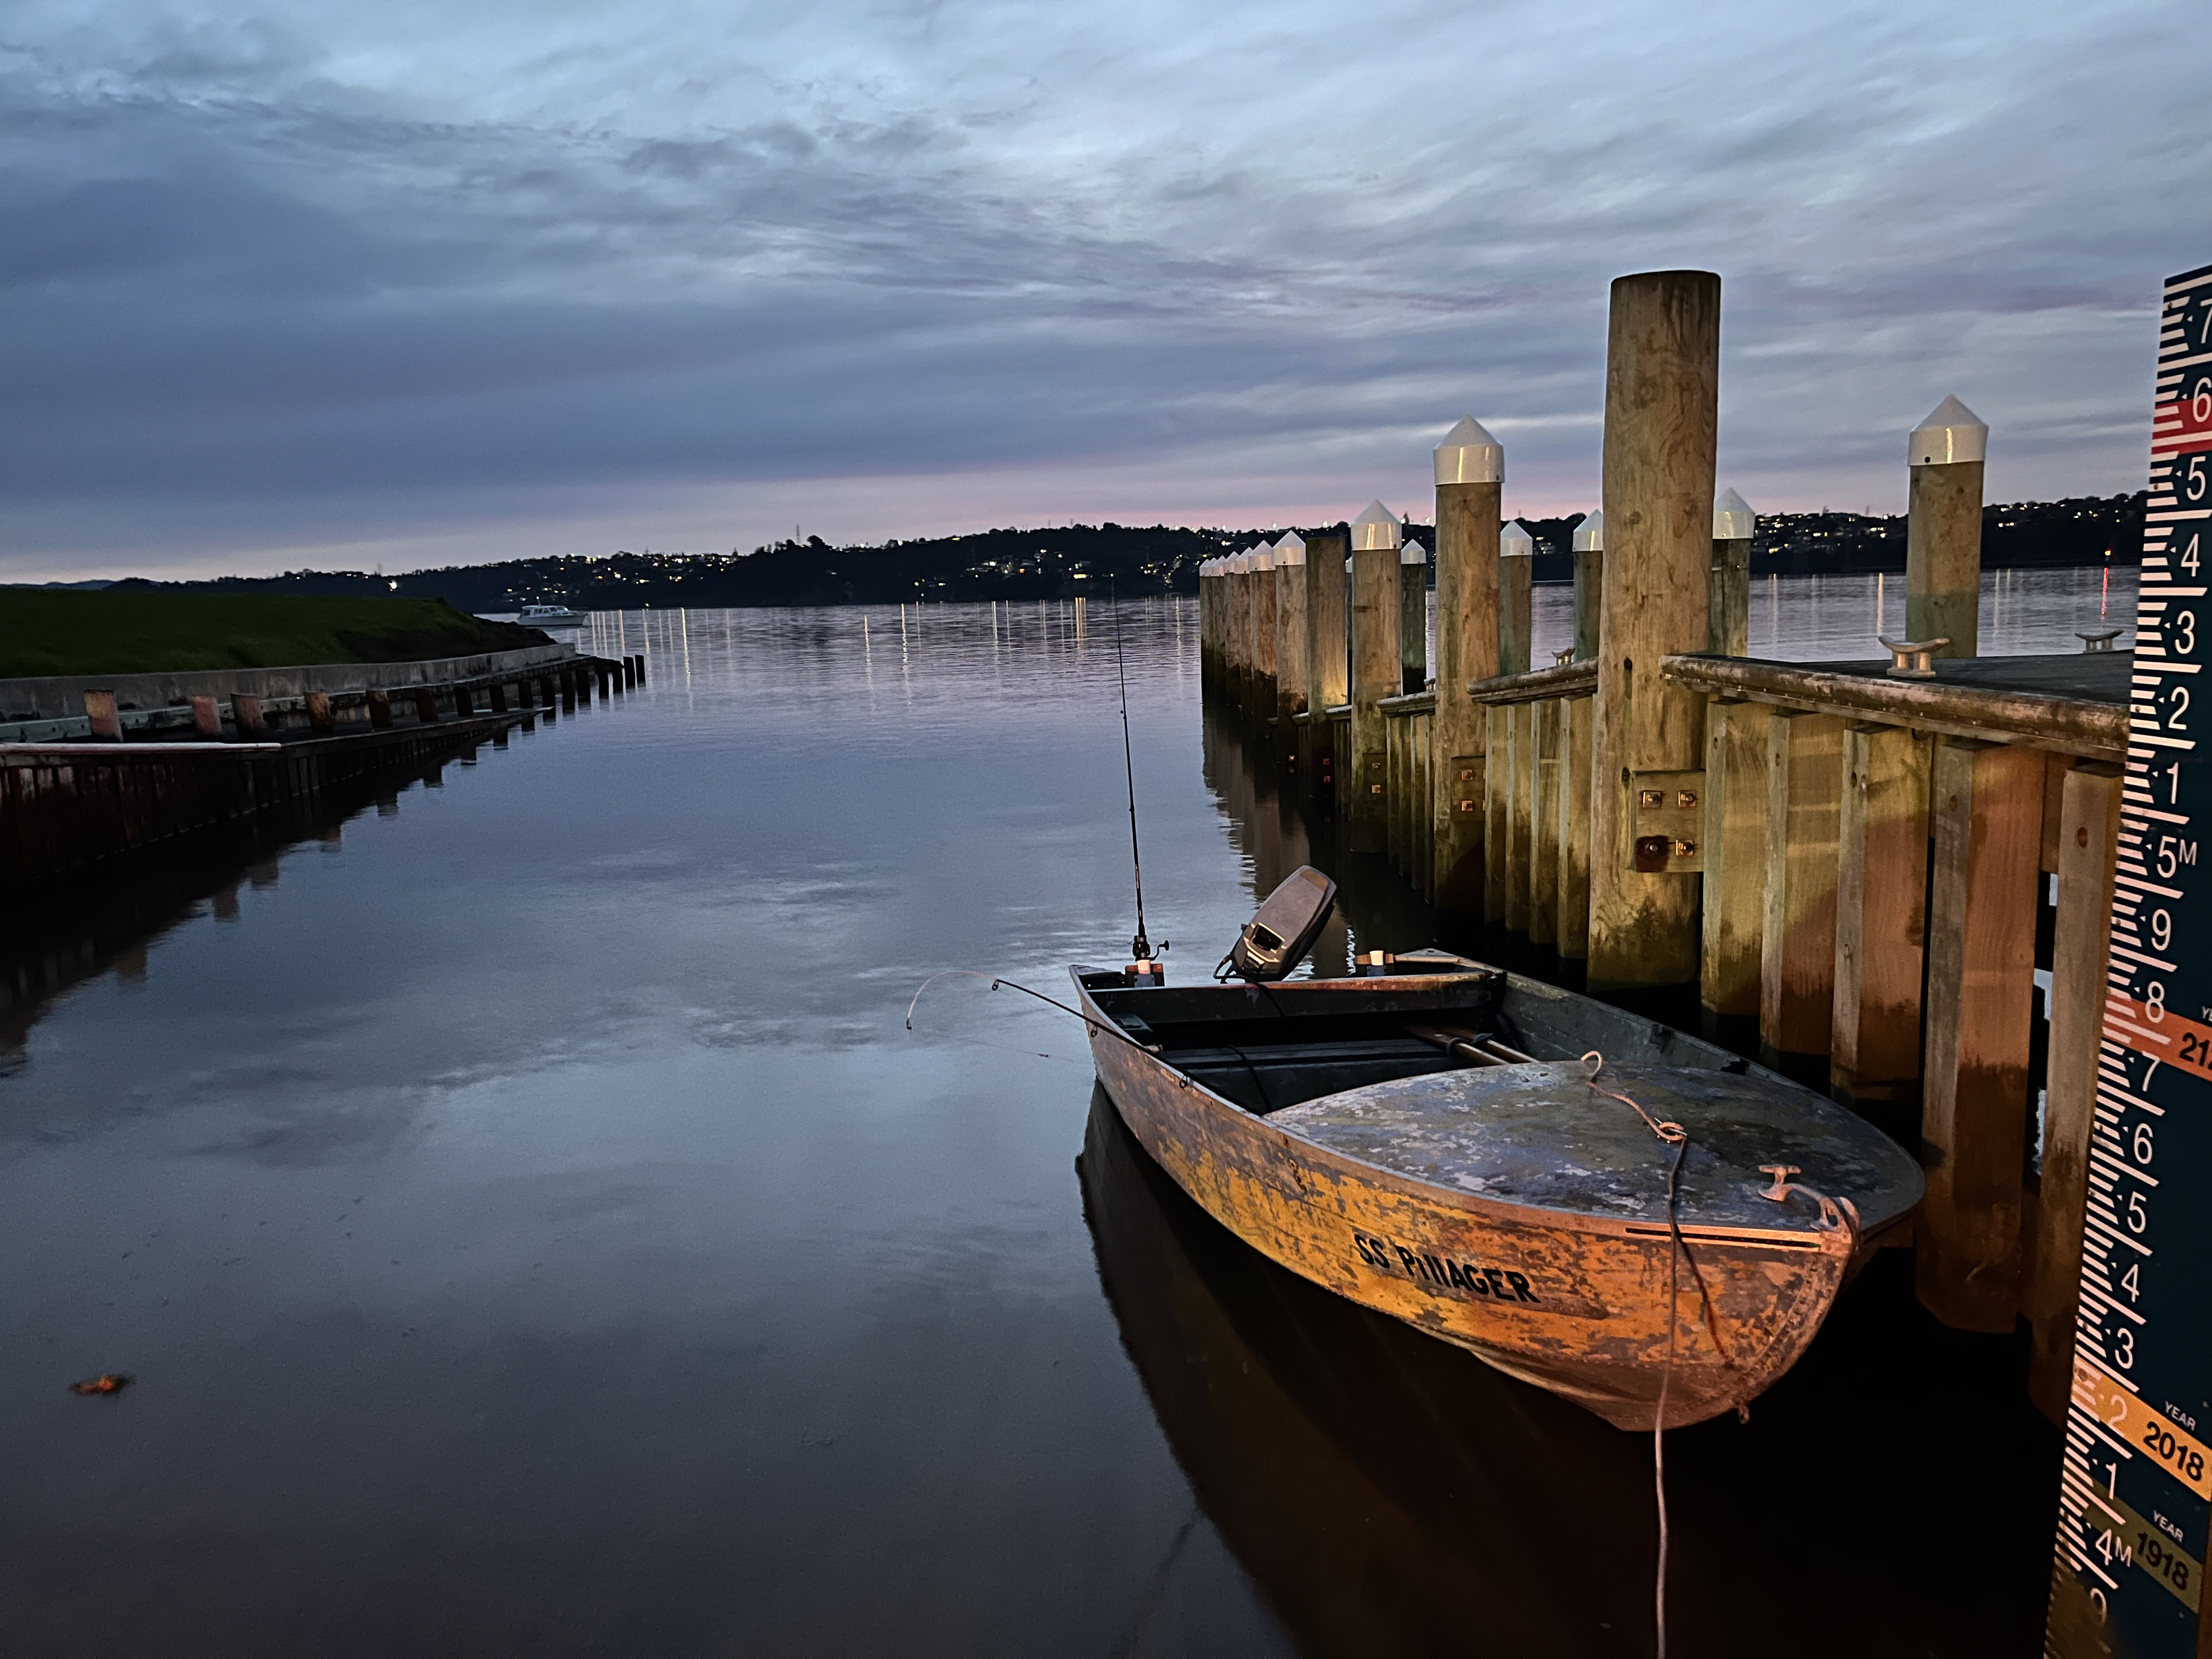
66	805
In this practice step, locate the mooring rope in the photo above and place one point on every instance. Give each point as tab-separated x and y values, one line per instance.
1673	1135
1834	1212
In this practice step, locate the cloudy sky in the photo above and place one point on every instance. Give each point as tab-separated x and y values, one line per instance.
414	283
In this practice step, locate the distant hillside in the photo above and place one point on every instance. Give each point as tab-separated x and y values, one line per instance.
991	564
1060	562
2015	535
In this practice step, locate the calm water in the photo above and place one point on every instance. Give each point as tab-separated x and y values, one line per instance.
531	1228
1837	618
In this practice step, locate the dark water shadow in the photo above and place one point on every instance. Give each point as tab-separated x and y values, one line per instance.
1275	821
1391	1494
75	927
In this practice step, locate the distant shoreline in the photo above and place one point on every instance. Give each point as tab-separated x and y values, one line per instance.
1069	561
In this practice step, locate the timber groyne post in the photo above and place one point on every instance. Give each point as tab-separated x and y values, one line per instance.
1728	626
1470	474
1517	603
1414	616
1240	630
1376	670
1262	705
1511	742
1209	617
1943	530
1589	583
1328	553
1293	645
1661	417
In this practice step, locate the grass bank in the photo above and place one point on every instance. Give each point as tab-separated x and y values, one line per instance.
45	632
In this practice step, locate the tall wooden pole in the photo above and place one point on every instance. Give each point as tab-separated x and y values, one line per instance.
1292	643
1943	533
1589	583
1326	551
1205	620
1240	623
1216	589
1661	415
1377	673
1734	526
1470	468
1414	615
1516	562
1263	632
1328	683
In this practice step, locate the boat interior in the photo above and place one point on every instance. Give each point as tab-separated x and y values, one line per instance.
1268	1046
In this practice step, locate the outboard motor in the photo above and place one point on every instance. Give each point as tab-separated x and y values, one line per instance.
1277	938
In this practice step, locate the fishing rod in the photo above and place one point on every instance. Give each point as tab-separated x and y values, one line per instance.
1140	947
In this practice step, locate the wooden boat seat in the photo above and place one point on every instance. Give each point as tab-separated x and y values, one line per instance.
1265	1077
1541	1135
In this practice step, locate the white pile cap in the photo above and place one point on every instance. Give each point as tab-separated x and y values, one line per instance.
1376	530
1413	553
1469	455
1733	519
1952	432
1515	542
1290	551
1589	534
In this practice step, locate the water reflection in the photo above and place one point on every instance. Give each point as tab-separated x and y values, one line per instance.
74	927
1276	830
1837	618
1390	1493
533	1228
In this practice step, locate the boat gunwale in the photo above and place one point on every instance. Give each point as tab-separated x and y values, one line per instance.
1501	1211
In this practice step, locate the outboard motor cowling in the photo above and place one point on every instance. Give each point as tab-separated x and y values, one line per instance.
1277	938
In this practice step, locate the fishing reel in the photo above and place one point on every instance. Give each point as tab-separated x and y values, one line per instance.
1147	971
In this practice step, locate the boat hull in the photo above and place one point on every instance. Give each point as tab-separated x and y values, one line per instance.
1575	1304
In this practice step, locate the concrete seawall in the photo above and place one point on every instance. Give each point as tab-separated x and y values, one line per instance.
61	697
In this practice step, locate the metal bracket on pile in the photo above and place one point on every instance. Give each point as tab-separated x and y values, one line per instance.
1666	816
1467	786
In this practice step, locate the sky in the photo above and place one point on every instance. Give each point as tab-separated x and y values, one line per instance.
349	286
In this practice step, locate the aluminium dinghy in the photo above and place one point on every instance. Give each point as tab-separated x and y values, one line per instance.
1532	1174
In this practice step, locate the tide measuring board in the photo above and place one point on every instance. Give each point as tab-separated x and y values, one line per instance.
2135	1486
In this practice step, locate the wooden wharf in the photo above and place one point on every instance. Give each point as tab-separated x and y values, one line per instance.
116	779
1901	868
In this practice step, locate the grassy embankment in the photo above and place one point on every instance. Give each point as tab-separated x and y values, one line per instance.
44	632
